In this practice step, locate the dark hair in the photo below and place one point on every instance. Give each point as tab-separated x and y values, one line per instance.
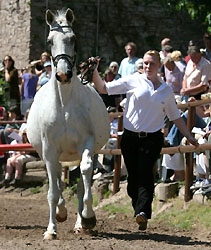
193	49
16	110
11	59
167	48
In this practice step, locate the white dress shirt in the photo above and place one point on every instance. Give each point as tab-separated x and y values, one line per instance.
145	108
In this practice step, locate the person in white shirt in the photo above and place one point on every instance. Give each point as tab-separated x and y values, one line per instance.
197	74
149	100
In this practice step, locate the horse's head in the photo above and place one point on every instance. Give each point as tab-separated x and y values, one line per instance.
62	41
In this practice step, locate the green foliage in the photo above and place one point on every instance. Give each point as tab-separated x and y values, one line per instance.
198	9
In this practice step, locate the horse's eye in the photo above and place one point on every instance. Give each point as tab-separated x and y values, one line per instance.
49	42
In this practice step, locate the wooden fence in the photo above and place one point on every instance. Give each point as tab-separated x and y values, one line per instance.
188	149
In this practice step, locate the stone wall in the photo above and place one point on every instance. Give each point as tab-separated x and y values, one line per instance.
101	29
15	18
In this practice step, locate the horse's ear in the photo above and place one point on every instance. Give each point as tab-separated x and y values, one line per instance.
49	17
69	15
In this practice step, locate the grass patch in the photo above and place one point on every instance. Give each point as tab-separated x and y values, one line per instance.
114	208
35	190
196	215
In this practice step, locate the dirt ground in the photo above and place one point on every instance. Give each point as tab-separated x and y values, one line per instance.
24	218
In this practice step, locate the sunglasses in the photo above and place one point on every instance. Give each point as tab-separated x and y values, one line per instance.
7	60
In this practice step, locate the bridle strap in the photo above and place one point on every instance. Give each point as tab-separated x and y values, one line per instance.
58	27
70	59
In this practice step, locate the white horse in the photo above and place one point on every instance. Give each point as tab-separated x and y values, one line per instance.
67	121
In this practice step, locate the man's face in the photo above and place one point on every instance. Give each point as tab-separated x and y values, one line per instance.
151	64
195	57
130	51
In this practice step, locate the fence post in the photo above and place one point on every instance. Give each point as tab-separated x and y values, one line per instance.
117	162
189	156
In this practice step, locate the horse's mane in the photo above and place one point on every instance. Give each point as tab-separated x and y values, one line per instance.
60	14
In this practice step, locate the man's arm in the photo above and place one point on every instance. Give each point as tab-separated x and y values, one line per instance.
183	129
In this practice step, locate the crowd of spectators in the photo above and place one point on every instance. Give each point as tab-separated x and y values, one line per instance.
188	75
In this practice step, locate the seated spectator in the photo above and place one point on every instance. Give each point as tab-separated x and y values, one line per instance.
13	115
17	160
176	161
108	160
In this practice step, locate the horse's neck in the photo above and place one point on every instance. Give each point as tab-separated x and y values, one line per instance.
63	92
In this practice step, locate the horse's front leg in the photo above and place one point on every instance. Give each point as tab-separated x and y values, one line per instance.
88	216
61	210
54	192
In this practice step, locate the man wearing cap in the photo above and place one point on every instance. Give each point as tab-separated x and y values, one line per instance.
197	74
46	75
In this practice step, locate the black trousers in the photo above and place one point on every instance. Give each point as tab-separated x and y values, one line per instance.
140	155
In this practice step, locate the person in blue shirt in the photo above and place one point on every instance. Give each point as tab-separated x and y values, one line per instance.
127	65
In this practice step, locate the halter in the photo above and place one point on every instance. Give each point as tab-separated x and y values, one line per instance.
70	59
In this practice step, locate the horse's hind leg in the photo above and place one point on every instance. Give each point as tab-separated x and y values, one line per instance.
88	215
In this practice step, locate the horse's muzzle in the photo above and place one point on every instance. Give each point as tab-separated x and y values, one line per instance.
64	78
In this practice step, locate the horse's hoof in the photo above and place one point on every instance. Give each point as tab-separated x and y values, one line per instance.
60	219
88	223
48	236
79	231
62	216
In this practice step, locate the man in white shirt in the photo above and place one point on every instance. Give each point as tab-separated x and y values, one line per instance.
149	100
197	74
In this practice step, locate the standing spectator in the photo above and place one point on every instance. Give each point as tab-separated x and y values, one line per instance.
207	43
11	77
39	64
166	51
176	55
190	44
46	75
163	43
197	74
127	65
139	65
28	88
173	74
111	74
148	102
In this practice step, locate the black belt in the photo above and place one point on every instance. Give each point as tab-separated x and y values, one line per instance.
139	134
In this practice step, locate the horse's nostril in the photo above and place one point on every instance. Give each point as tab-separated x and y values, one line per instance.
58	78
69	74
